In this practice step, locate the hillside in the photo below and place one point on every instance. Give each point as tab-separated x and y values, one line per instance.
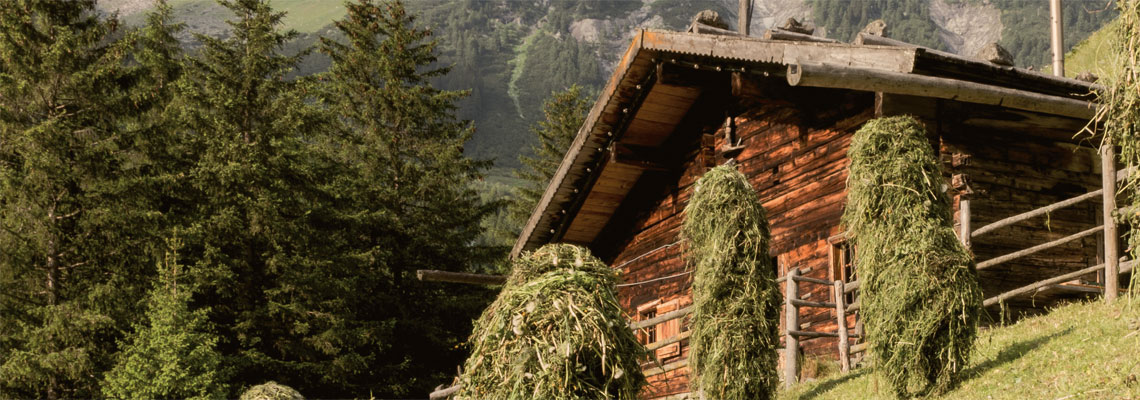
512	54
1094	54
1078	351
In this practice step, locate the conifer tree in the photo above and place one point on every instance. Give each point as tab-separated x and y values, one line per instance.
564	113
258	233
68	259
410	195
172	355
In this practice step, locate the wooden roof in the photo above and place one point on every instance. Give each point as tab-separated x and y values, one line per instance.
634	107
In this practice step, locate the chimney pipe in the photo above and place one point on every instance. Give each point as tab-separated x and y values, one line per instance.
1058	39
744	17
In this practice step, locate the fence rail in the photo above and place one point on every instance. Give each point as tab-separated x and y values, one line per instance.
1124	267
1038	248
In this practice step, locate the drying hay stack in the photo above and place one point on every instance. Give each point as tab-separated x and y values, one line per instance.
556	331
736	302
271	391
919	291
1119	116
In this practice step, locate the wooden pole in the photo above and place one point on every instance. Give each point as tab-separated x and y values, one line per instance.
841	327
1041	247
669	316
1054	280
444	393
1120	176
460	277
780	34
1111	239
666	368
791	324
1004	222
1057	38
964	227
1099	219
873	80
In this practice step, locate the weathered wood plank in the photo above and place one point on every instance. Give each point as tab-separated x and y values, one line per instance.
459	277
928	86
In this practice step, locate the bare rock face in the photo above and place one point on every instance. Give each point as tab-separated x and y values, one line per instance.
710	18
767	14
1087	77
966	26
996	54
791	25
877	27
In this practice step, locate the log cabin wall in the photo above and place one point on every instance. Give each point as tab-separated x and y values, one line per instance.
794	154
1015	162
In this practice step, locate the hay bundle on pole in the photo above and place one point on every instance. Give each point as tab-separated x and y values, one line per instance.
736	302
556	331
919	290
271	391
1119	116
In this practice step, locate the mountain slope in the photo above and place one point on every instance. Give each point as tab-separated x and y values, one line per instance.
1082	350
512	54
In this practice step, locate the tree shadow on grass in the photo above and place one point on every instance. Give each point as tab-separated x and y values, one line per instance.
1005	356
1010	353
832	383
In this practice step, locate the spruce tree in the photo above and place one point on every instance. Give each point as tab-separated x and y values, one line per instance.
172	356
564	113
258	232
70	251
408	199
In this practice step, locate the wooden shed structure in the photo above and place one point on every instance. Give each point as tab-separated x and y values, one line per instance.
785	109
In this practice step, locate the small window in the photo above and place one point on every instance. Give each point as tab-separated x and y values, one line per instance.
842	260
647	311
649	334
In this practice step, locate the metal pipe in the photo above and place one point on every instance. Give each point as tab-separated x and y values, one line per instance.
744	17
1057	38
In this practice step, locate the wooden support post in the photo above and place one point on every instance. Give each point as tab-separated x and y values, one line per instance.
791	323
841	326
1111	240
1099	219
964	227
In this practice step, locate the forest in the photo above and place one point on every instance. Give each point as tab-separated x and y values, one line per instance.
184	225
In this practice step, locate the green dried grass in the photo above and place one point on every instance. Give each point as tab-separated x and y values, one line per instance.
919	291
736	302
1119	115
271	391
556	331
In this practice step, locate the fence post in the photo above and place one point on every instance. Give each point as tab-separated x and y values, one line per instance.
841	325
964	226
791	323
1111	240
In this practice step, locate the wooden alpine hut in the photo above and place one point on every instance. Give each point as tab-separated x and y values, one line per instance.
784	108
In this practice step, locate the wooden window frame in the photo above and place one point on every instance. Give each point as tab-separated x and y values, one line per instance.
841	264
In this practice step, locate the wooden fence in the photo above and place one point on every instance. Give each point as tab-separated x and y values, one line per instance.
1112	263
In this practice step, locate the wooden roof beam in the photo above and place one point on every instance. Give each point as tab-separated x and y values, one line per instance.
780	34
928	86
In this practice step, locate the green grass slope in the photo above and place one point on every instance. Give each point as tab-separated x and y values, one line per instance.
1078	351
302	15
1094	54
